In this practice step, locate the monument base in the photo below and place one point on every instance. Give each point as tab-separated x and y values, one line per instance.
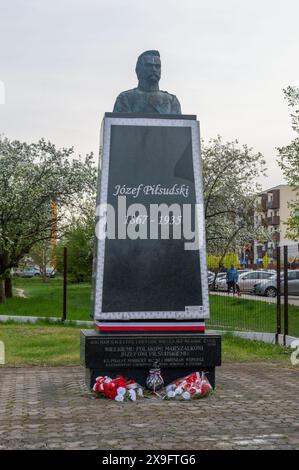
132	355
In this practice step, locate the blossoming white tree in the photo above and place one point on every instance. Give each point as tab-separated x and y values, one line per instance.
32	176
230	187
289	161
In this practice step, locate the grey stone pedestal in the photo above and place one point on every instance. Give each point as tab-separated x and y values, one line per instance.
132	355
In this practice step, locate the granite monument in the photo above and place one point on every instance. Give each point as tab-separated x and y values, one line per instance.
150	274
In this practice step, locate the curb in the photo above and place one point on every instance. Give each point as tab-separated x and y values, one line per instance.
29	319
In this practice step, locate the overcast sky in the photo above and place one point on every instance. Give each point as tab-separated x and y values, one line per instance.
63	62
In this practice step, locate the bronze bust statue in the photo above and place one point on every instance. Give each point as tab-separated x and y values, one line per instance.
147	98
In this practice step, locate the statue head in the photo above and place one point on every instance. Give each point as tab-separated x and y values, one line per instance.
148	67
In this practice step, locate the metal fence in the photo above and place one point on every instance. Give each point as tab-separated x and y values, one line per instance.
288	301
260	300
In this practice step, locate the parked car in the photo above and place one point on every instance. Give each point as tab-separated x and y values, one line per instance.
247	280
50	272
27	272
241	271
33	271
211	279
268	287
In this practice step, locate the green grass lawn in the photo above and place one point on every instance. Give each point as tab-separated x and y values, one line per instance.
45	299
252	315
43	344
40	344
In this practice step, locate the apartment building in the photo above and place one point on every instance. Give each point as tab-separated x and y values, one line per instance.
272	212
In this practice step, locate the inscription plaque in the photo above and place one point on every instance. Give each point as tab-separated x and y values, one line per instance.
120	351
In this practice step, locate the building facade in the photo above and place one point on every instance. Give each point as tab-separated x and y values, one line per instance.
272	212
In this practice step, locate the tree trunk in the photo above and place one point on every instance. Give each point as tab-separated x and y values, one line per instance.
43	271
2	291
8	287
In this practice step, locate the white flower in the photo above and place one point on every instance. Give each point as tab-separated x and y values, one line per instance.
132	395
186	395
121	391
119	398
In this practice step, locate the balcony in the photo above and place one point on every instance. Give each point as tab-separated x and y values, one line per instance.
274	220
262	205
275	201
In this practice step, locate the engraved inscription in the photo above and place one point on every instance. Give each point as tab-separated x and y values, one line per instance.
141	352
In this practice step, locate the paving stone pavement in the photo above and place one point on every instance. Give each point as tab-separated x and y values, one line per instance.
255	406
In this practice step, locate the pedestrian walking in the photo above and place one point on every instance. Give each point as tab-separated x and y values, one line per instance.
232	277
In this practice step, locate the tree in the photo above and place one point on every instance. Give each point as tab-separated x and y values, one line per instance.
41	255
229	259
32	176
289	161
213	261
225	261
230	189
79	240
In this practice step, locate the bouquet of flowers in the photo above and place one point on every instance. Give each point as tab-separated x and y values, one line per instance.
195	385
117	389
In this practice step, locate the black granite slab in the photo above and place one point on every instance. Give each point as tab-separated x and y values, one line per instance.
134	351
150	274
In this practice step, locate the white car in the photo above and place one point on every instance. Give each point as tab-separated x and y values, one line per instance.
27	272
246	280
211	279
